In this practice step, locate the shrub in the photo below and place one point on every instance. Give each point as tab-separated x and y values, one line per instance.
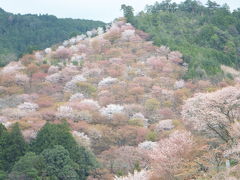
152	104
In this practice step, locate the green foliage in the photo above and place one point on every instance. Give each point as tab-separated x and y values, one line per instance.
75	63
12	147
58	164
128	13
29	166
59	134
58	156
51	135
151	136
208	36
86	161
3	175
136	122
152	104
87	88
20	34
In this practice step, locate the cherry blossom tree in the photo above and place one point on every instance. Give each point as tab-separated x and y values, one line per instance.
111	109
127	35
157	63
107	81
28	107
82	139
62	53
167	156
213	113
113	34
124	159
175	57
137	175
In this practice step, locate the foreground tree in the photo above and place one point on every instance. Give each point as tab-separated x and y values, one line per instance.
29	166
59	134
170	153
12	146
58	164
51	135
214	114
128	12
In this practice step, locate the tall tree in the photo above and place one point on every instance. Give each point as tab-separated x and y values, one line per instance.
59	134
58	164
12	146
128	13
29	166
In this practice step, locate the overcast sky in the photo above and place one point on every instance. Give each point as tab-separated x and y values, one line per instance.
104	10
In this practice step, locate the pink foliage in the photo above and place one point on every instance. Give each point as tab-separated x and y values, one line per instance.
113	34
168	68
105	100
144	81
156	90
123	159
170	152
63	53
157	63
143	35
39	76
86	104
213	113
165	113
175	57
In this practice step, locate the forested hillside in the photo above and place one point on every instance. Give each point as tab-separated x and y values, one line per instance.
115	107
112	105
20	34
207	35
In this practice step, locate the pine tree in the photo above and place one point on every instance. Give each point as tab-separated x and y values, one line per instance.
12	145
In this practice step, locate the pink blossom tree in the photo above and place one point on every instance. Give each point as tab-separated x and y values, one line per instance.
157	63
214	113
167	156
123	159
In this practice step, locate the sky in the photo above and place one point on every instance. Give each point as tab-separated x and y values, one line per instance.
104	10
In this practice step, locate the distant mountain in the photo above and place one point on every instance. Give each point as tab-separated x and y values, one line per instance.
20	34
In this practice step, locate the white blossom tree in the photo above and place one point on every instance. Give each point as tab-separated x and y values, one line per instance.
170	152
214	113
111	109
137	175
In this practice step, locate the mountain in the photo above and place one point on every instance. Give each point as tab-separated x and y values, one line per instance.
21	34
123	99
208	36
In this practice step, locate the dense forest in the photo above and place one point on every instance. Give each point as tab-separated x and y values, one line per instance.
207	35
54	154
21	34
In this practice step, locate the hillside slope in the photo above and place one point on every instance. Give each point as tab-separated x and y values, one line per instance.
20	34
122	98
207	35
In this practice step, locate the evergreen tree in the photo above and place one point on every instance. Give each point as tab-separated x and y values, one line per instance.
128	13
29	166
59	134
12	147
51	135
58	164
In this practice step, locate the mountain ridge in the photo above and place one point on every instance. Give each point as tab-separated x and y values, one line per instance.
21	34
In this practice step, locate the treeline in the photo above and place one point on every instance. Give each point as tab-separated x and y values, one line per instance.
20	34
53	154
208	35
